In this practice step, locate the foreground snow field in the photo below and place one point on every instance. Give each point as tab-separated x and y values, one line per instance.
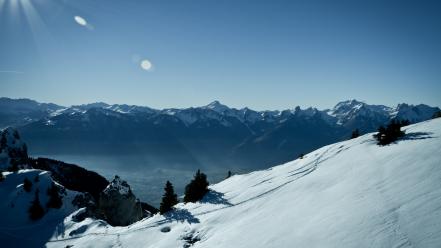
16	229
349	194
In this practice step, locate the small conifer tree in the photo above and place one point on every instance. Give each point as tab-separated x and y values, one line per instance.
169	199
36	211
355	134
436	115
390	133
197	188
13	167
55	199
229	174
3	142
27	185
16	135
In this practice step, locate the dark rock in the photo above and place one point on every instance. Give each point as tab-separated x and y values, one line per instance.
118	205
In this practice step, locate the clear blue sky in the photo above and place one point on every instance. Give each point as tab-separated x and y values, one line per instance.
262	54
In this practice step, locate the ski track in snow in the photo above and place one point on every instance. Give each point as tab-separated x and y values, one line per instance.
309	169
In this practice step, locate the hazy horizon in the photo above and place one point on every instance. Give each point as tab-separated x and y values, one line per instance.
223	103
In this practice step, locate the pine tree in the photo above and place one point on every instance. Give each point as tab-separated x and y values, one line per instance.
2	177
229	174
197	188
36	211
436	115
55	200
27	185
16	135
355	134
13	167
24	149
390	133
403	123
169	199
3	142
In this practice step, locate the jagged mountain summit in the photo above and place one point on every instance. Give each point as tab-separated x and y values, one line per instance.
348	194
213	135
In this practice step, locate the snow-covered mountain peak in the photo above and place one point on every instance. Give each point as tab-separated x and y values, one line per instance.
131	109
216	106
352	111
349	104
413	113
91	105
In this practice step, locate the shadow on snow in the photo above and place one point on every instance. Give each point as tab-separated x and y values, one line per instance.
182	215
214	197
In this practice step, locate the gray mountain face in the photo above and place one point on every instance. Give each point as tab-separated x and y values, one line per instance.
214	134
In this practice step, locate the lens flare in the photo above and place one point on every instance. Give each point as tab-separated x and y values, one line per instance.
146	65
80	20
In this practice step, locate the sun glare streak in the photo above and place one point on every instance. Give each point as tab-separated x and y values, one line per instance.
2	2
14	7
35	22
32	16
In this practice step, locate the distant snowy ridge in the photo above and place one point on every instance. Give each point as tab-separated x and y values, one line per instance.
348	194
342	113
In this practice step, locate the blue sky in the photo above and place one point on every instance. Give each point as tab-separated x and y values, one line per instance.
261	54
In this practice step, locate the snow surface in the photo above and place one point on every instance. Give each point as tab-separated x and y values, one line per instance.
16	229
349	194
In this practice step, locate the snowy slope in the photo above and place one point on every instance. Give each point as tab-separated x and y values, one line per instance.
349	194
16	229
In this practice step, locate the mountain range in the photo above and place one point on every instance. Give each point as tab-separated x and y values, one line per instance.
214	134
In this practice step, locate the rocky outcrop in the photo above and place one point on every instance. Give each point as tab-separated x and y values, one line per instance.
118	205
13	151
